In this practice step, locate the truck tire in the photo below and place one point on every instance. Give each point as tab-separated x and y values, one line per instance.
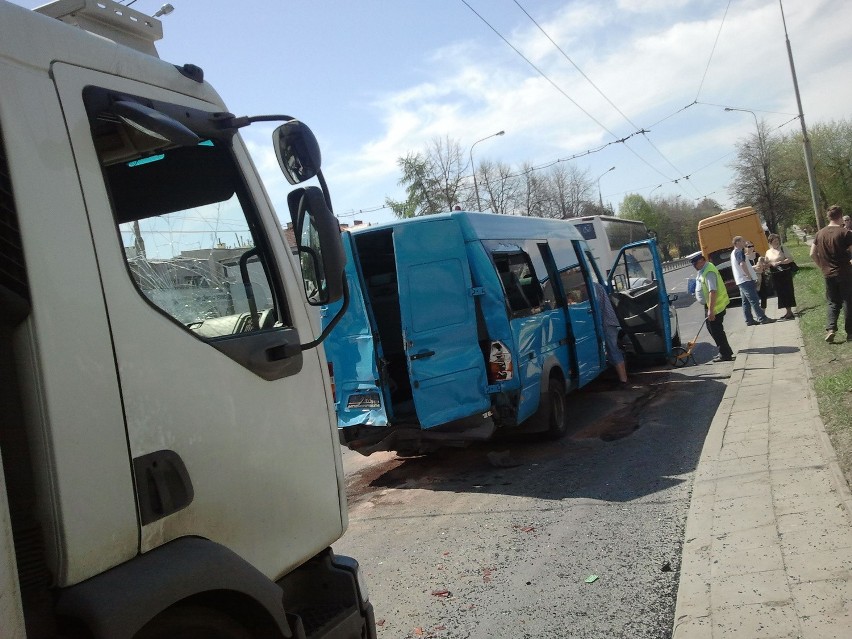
550	416
193	622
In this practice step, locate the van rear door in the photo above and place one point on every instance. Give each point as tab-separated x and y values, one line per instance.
352	352
641	301
445	363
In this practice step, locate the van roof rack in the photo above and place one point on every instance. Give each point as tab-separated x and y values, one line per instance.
110	20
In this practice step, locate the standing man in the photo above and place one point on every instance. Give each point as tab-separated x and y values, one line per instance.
710	291
746	280
830	251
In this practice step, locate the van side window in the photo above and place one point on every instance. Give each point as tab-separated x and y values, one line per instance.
574	285
544	266
520	283
188	231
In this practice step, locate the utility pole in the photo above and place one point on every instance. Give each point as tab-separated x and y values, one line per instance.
806	141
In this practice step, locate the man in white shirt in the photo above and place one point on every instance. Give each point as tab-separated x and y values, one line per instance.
746	280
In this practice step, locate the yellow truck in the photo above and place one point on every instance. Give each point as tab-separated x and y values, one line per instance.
715	235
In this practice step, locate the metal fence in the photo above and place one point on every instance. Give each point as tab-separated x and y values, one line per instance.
674	265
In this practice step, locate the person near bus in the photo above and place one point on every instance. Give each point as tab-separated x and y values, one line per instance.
710	291
781	264
746	280
763	281
830	252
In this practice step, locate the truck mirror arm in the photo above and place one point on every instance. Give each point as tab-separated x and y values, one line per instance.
334	320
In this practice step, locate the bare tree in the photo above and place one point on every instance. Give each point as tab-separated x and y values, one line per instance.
532	192
499	186
566	187
756	181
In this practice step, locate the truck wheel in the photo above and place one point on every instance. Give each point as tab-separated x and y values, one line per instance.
551	413
193	622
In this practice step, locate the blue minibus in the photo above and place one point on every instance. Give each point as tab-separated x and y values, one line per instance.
462	325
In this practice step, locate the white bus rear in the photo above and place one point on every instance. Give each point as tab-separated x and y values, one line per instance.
606	234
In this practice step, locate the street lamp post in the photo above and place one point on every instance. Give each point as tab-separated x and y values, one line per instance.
473	167
763	161
600	198
806	141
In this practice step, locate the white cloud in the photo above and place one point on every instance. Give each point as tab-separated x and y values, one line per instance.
650	65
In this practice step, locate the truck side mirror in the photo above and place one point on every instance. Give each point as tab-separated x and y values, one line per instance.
297	150
321	255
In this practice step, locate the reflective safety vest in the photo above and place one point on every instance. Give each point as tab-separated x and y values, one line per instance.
722	298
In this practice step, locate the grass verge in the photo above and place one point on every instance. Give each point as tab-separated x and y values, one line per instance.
831	364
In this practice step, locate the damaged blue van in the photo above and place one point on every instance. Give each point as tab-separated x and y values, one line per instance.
462	325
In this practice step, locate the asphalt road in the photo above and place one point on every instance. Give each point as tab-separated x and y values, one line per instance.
528	538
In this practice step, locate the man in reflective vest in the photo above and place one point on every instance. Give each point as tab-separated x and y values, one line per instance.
710	291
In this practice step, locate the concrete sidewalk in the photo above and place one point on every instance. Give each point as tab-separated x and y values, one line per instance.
768	544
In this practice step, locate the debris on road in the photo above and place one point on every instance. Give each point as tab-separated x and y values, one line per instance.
591	579
502	459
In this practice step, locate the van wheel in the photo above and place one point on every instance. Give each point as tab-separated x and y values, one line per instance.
550	416
192	622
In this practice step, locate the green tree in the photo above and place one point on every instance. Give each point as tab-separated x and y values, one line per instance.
831	144
434	180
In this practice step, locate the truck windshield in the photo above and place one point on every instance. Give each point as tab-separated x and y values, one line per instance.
186	228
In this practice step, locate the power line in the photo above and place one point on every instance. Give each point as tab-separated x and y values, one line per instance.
539	71
596	88
558	88
712	51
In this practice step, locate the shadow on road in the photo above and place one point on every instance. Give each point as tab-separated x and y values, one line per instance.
623	445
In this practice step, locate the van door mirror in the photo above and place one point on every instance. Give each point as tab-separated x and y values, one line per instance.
297	150
318	241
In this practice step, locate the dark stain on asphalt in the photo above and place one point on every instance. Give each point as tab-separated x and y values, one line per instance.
472	468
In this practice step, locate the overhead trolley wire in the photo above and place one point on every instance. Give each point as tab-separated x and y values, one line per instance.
712	51
596	88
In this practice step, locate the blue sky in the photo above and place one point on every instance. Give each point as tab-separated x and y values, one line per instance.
377	79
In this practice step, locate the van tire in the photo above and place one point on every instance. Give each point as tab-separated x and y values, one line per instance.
550	416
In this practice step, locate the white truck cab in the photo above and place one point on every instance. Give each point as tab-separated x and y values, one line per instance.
169	445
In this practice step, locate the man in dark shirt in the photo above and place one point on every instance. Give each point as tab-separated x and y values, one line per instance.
830	251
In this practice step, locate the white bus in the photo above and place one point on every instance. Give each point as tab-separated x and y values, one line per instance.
605	235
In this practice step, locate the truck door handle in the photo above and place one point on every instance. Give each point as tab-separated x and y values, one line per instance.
422	355
163	485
